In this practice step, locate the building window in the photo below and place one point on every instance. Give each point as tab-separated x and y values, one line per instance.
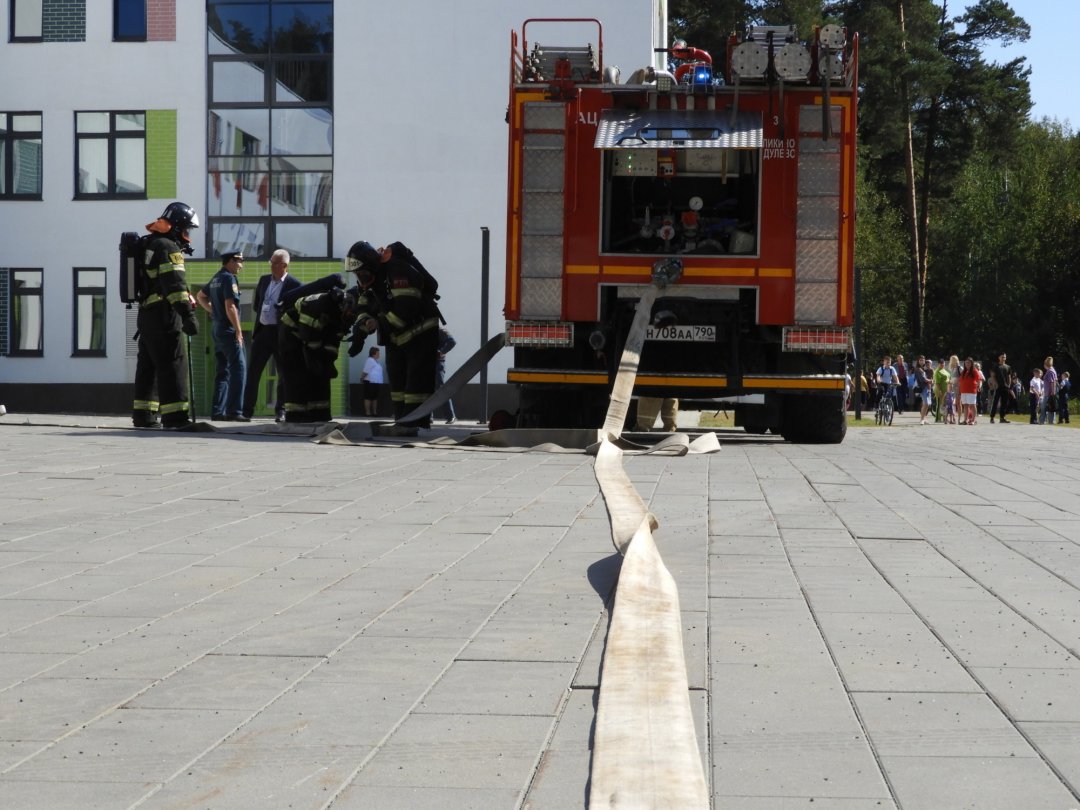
20	156
47	20
89	320
26	21
110	155
270	126
129	20
26	313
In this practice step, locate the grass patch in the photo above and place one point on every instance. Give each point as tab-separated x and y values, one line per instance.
717	419
866	421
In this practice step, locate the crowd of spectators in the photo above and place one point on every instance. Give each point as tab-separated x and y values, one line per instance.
957	392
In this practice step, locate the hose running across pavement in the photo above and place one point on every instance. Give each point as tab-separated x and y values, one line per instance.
645	752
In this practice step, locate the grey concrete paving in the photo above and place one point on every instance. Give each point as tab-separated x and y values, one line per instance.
240	620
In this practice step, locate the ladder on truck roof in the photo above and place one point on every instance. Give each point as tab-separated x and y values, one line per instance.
542	62
548	63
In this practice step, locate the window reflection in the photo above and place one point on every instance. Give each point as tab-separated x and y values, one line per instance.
303	238
302	194
275	160
26	312
89	313
244	27
239	132
20	154
246	236
302	131
300	80
237	82
93	167
303	27
130	166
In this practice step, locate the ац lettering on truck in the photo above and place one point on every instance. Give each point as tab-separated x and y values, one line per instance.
744	172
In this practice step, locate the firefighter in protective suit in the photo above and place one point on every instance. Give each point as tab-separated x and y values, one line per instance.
395	303
165	315
314	318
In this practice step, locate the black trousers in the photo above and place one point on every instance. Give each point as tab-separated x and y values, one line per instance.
161	379
1000	404
307	395
264	345
411	369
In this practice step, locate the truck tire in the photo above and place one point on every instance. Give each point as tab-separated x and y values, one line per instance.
814	420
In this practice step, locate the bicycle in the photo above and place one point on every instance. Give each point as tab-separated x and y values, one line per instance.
884	410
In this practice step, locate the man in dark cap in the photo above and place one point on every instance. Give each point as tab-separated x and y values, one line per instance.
221	298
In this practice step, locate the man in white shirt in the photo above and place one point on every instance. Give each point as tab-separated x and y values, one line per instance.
264	340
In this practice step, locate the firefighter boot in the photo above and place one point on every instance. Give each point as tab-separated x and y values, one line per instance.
145	419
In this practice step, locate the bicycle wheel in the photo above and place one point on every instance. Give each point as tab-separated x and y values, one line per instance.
888	416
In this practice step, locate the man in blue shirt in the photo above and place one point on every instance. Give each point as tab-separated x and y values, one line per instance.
221	298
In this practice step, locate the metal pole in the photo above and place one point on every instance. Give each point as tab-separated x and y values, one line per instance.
858	343
485	267
190	382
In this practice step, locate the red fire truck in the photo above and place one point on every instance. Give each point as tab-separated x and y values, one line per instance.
743	173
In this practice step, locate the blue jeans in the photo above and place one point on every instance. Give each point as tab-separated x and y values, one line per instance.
231	373
1046	416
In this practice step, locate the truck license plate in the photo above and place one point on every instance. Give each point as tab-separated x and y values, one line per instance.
683	333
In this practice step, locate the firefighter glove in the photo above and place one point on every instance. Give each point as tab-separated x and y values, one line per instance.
190	326
356	344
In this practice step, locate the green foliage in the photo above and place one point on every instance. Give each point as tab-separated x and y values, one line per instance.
1009	251
881	261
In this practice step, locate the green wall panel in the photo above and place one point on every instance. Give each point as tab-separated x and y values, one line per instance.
161	154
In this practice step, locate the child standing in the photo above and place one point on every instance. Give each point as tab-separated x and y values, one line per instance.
971	380
1016	389
1035	392
1064	387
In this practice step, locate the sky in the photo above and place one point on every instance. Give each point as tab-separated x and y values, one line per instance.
1051	55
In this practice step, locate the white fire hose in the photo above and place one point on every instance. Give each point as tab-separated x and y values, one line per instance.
645	752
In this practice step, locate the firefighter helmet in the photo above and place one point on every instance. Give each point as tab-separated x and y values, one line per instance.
181	216
362	260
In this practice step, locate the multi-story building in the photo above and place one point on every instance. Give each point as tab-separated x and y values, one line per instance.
303	124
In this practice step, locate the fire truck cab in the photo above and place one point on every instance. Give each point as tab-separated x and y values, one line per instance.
744	173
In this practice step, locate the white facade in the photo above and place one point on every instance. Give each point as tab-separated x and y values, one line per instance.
420	95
